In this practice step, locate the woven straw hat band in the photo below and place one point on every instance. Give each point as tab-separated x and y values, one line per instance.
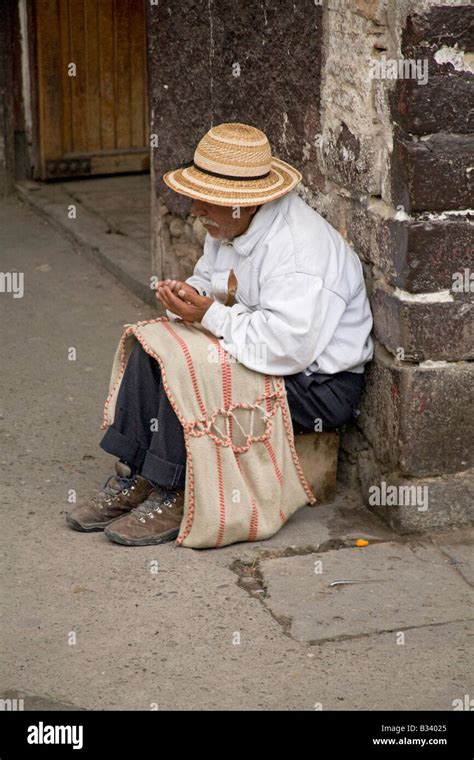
234	150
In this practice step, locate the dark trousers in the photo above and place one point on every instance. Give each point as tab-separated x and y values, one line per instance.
147	434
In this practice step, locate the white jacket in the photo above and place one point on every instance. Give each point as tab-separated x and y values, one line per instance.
301	298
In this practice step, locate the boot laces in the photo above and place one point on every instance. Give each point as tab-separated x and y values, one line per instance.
157	498
110	491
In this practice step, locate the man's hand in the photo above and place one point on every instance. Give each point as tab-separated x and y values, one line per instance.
182	300
181	289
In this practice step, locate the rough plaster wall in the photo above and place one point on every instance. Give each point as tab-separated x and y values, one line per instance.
348	99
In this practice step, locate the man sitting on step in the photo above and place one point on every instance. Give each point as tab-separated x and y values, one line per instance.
282	291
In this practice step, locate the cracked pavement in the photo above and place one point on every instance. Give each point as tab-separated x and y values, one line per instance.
249	626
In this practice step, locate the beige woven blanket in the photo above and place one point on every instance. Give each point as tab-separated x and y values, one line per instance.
243	477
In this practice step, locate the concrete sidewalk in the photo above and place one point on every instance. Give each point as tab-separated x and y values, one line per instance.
89	624
111	222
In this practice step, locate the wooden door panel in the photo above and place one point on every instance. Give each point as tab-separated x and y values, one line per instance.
97	121
139	77
107	105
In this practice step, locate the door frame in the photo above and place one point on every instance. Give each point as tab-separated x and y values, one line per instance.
21	126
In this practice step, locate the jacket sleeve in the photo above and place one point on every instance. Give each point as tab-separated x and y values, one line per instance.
293	324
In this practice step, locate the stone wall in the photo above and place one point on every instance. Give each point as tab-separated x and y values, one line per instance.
398	181
386	160
212	62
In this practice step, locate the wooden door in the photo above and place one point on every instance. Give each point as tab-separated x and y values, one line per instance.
92	87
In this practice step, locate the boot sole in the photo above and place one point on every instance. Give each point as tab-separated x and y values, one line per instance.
90	528
161	539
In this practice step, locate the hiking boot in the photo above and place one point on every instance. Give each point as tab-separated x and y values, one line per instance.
119	495
155	521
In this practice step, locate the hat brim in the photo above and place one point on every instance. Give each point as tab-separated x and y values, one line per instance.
196	184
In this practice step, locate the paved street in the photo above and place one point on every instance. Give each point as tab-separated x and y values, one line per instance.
87	623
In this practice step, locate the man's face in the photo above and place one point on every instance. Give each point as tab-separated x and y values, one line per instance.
223	222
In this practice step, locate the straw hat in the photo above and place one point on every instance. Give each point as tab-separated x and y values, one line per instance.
233	166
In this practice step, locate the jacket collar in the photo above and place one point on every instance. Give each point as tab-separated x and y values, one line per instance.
260	224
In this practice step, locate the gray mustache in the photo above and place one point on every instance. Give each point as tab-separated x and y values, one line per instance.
206	220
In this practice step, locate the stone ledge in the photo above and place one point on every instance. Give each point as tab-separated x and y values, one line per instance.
423	504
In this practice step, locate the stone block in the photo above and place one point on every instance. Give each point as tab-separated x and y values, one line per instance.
424	329
417	419
440	105
447	25
377	236
353	160
436	250
381	408
418	505
373	10
419	255
435	172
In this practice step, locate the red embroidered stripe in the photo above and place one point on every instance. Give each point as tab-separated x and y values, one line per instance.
253	522
268	390
253	527
190	364
220	482
190	492
271	452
